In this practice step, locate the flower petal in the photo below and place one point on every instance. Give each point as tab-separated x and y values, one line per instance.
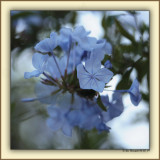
38	60
97	85
64	39
87	43
54	124
92	65
135	95
115	108
44	93
67	129
80	32
34	73
54	112
47	45
108	64
104	75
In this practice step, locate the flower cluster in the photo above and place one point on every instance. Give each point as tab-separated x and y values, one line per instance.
72	77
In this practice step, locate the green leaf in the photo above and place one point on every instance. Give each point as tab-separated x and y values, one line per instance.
124	32
125	82
99	102
142	67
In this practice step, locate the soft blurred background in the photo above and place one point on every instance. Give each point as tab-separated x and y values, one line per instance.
127	31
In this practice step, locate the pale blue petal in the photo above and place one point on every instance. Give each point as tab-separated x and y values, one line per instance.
53	35
97	85
97	54
67	129
62	64
47	45
135	95
92	65
115	108
54	124
64	39
85	83
64	101
39	60
80	32
75	117
83	76
44	93
28	99
104	75
91	122
108	48
87	43
108	64
103	127
34	73
81	72
54	112
75	55
101	43
105	46
51	67
66	31
77	102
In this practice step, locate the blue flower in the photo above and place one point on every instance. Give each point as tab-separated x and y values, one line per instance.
64	39
80	36
87	117
57	120
102	127
92	76
134	92
52	69
135	95
39	62
114	108
106	46
48	44
70	104
108	64
45	94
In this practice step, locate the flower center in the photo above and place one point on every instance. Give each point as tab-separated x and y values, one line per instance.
92	76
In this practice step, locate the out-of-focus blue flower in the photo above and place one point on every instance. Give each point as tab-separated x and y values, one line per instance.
108	64
64	39
52	69
57	120
48	44
134	92
105	46
39	62
87	117
79	32
102	127
80	36
135	95
114	108
92	76
45	94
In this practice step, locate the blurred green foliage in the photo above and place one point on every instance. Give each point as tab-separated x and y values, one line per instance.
126	57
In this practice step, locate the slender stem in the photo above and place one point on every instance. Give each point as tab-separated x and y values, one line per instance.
56	64
74	61
59	69
35	99
52	79
116	90
67	62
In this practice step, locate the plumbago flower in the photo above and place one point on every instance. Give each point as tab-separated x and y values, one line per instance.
72	80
